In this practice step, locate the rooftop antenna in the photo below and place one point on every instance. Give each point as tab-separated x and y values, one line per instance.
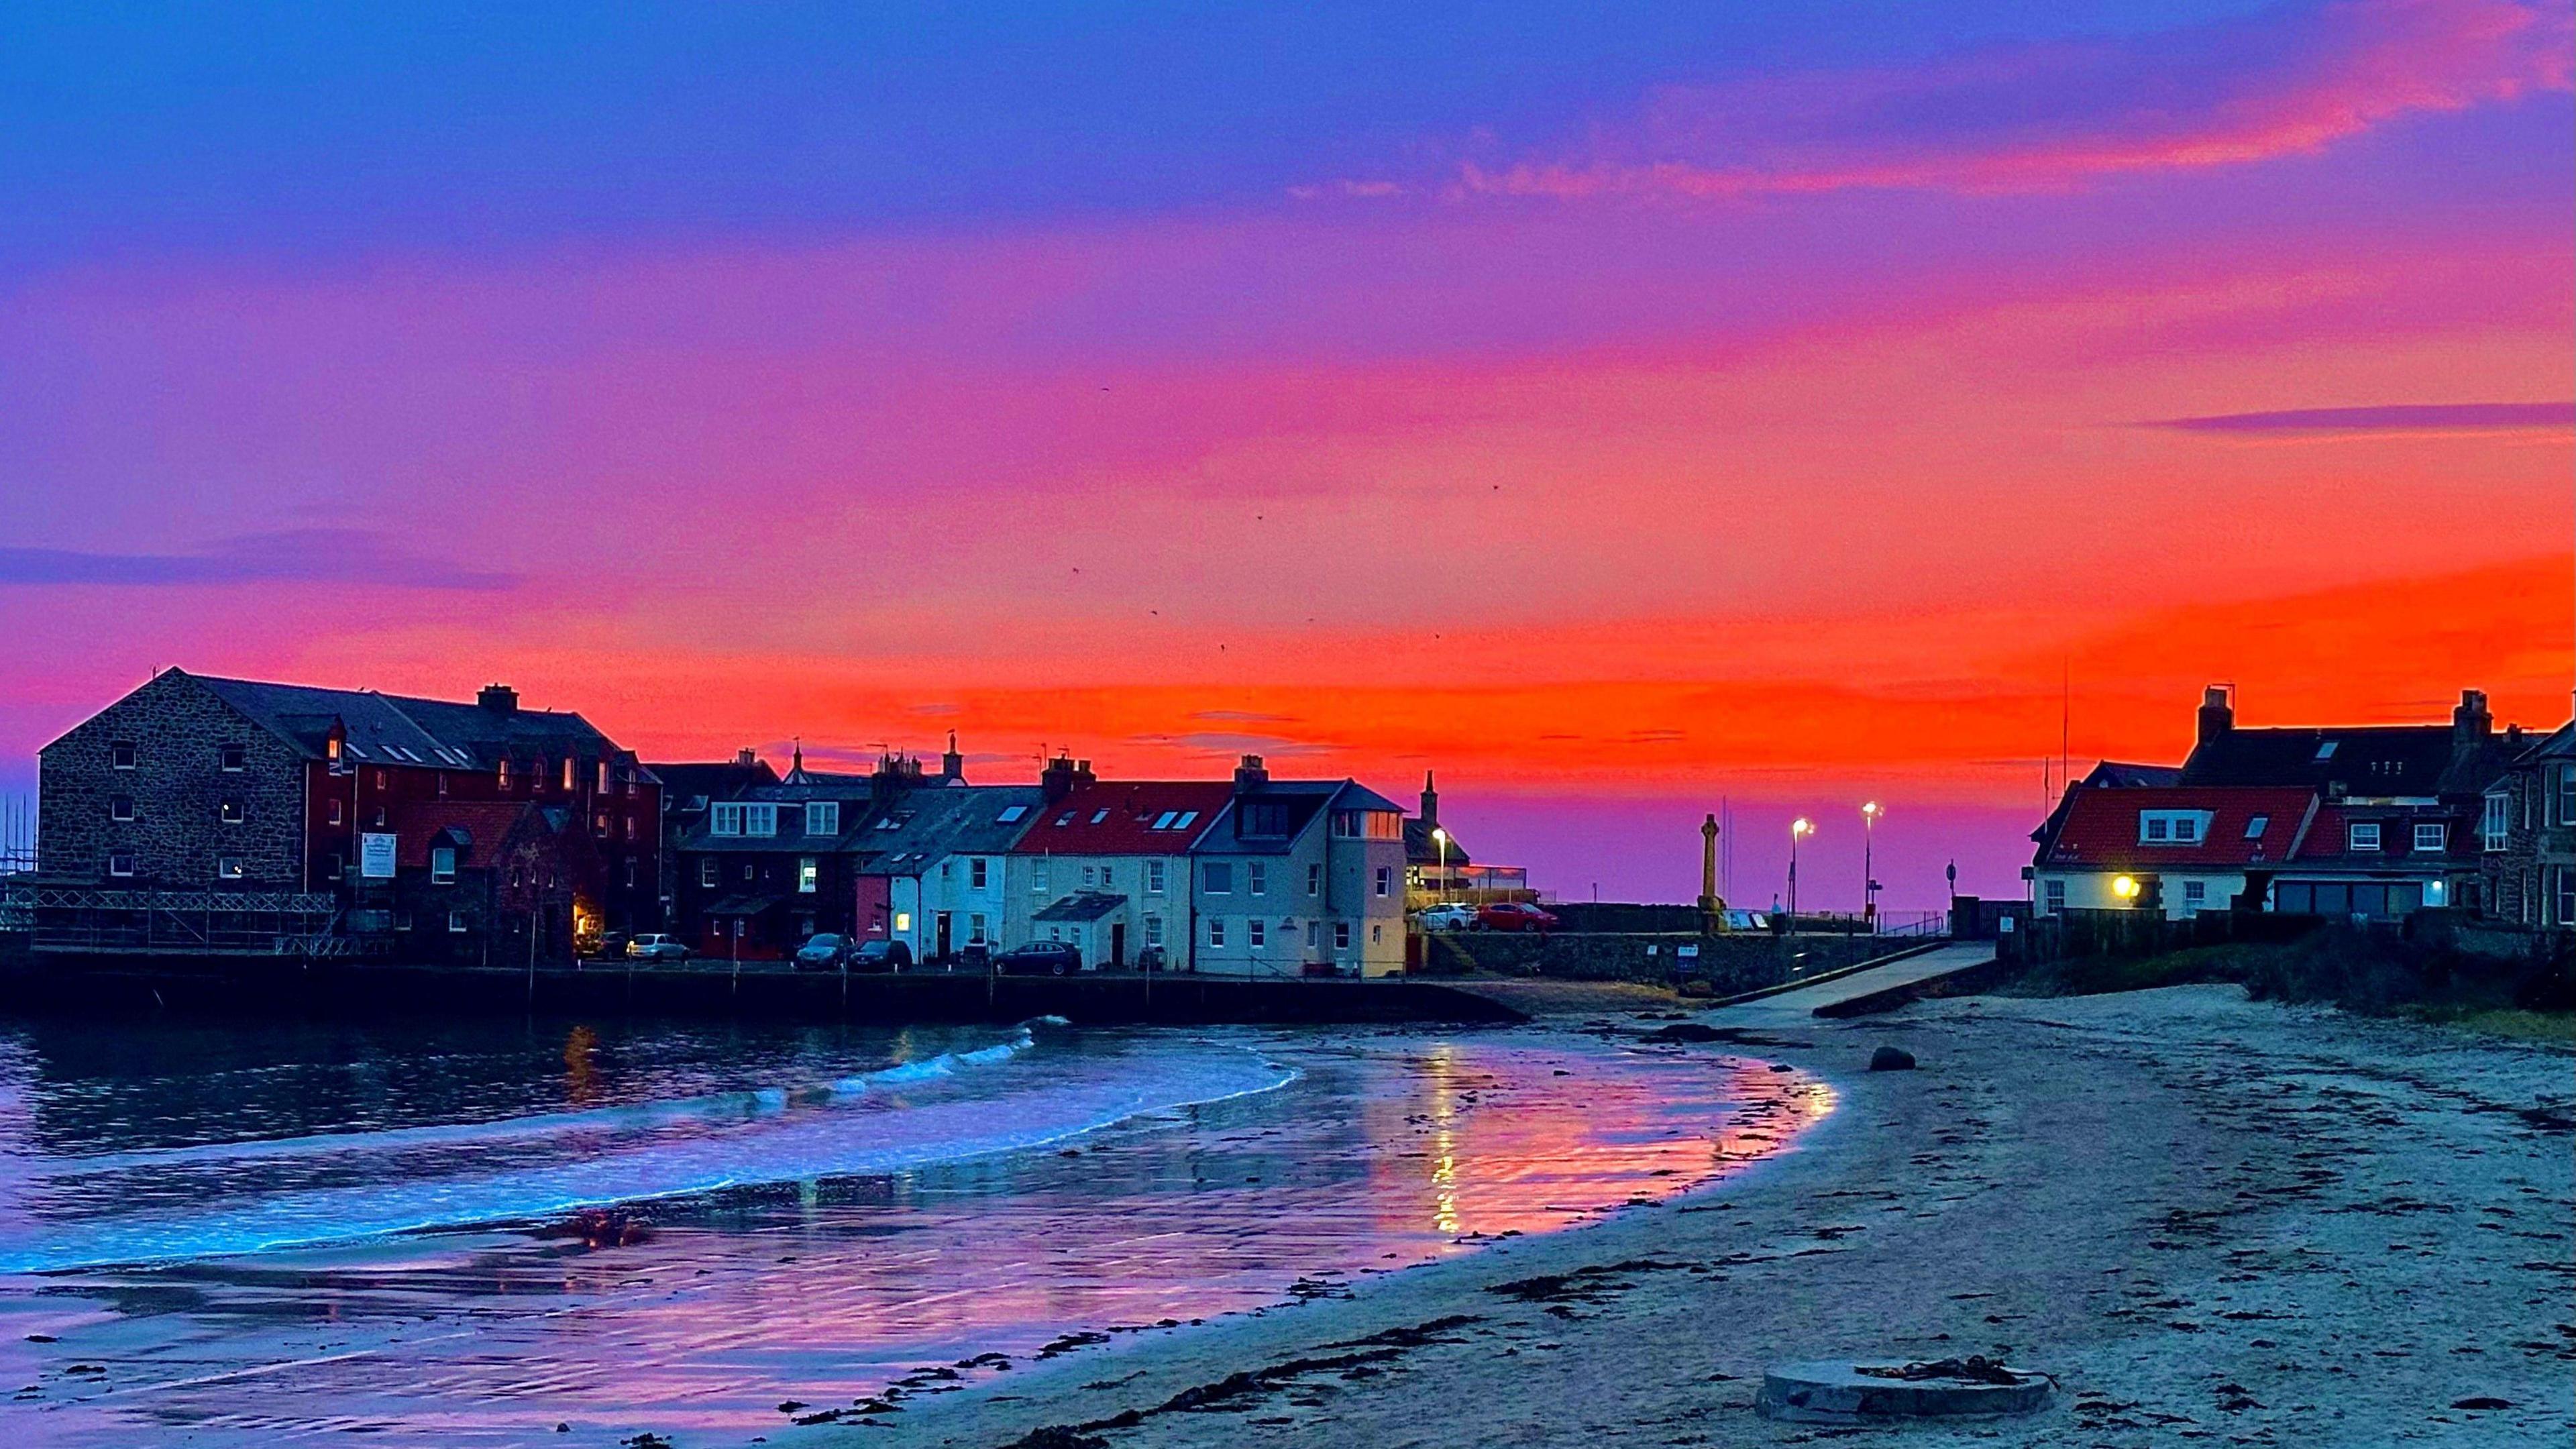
2065	716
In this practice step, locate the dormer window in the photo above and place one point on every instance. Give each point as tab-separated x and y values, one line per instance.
2362	835
823	817
2428	835
2172	827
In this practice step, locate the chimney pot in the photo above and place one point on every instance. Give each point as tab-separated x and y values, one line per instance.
498	698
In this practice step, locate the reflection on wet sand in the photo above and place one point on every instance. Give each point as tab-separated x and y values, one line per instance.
1385	1152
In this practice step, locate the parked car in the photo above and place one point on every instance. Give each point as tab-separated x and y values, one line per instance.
973	956
881	956
823	951
1039	958
657	948
1513	916
1455	916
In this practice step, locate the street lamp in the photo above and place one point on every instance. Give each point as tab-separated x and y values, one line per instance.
1869	814
1440	838
1801	826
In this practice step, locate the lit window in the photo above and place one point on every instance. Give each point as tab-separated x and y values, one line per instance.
2428	835
602	786
442	865
120	807
236	757
568	768
2363	835
903	920
808	875
120	756
501	774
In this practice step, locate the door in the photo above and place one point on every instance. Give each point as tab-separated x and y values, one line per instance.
1118	946
942	928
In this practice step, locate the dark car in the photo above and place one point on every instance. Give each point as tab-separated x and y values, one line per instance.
1514	916
1039	958
881	956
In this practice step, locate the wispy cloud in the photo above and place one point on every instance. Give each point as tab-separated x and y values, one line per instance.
307	555
2044	117
2391	418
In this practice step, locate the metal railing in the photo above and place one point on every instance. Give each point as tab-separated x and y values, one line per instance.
64	917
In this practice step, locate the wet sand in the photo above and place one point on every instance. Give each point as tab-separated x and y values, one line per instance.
2212	1220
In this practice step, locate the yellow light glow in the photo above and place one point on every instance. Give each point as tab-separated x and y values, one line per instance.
1872	810
903	920
1802	826
1440	835
2126	888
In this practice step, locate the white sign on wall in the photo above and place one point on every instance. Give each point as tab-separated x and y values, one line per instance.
376	856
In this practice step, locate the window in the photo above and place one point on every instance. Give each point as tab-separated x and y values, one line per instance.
1153	930
2151	827
380	779
1164	820
2326	750
1314	935
2428	835
1185	820
1262	817
979	873
1087	877
748	874
1108	878
707	871
1153	877
1216	930
229	867
2566	894
2566	802
1377	932
1315	878
120	756
602	778
568	775
380	817
1011	815
903	920
231	810
1256	877
1385	879
599	825
1218	877
630	827
402	920
2497	823
120	807
456	923
2256	825
442	782
2362	835
120	864
738	818
823	817
630	872
235	758
1256	933
808	874
1099	815
338	808
1038	876
501	774
975	927
1341	935
2195	894
2055	894
1368	825
442	865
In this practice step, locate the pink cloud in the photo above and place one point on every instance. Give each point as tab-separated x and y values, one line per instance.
2054	117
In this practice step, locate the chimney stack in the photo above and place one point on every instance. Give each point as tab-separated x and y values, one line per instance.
744	758
499	698
1250	774
2217	712
2470	722
1430	802
1063	775
952	765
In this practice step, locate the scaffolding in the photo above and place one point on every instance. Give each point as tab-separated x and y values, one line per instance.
85	919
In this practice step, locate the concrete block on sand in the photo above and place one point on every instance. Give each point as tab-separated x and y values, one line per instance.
1841	1392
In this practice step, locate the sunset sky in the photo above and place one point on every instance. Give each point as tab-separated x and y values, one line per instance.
1613	406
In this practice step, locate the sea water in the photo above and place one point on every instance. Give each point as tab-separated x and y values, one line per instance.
246	1232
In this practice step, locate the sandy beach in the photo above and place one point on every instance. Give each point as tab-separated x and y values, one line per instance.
2208	1218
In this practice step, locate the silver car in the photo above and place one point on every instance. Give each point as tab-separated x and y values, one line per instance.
656	948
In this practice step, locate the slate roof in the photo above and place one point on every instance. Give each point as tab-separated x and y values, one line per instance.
935	821
1120	817
2100	831
1083	906
2366	760
2328	844
404	729
690	785
1299	802
2105	775
1421	849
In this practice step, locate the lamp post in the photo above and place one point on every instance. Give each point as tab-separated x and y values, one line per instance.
1869	814
1801	826
1440	838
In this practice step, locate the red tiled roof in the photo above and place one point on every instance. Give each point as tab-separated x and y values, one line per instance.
2330	839
485	822
1116	817
2101	828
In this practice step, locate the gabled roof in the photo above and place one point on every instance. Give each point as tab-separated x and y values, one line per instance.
2100	830
933	822
1083	906
1299	804
1421	849
2560	744
2366	760
688	782
2105	775
2329	841
394	729
1129	817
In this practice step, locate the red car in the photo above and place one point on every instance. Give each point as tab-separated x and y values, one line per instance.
1513	916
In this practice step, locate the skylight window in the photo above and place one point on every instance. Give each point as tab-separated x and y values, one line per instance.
1164	820
1188	817
1011	815
2326	751
1065	819
2255	826
1099	815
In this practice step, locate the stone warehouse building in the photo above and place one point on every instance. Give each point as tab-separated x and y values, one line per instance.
411	827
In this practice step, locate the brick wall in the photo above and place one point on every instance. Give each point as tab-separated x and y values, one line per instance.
179	789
